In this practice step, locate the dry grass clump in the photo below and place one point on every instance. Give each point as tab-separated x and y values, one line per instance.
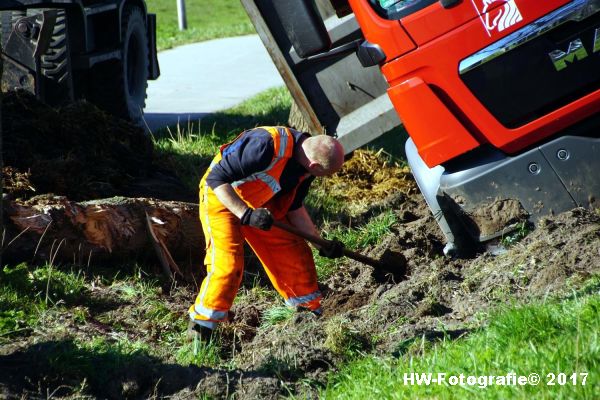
370	174
342	337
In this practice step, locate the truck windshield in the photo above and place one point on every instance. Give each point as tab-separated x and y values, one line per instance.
396	9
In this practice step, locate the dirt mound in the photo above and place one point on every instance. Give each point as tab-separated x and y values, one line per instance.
431	297
551	261
77	151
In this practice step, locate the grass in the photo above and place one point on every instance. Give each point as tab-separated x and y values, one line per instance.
542	338
321	199
93	363
276	315
189	149
521	231
136	287
26	293
356	239
32	296
206	19
200	353
590	285
132	325
343	339
46	301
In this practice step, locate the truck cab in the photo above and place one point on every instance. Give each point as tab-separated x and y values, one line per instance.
500	97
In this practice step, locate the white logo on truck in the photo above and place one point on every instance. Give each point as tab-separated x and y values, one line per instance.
501	17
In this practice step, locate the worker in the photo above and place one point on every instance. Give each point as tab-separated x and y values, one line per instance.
261	176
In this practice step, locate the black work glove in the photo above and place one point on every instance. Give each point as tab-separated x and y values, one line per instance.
333	249
260	218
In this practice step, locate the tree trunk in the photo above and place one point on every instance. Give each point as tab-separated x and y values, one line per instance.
54	229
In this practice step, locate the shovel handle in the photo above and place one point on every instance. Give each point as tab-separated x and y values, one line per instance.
322	242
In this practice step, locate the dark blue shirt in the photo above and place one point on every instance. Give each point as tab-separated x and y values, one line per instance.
253	152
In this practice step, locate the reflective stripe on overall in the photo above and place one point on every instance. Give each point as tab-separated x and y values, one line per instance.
286	258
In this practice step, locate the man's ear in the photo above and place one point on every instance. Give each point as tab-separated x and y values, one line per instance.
317	169
314	167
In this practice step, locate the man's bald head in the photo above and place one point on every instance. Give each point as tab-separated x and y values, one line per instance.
325	155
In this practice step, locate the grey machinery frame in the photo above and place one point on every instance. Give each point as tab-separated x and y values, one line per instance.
337	95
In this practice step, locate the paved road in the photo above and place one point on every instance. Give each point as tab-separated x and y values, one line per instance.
202	78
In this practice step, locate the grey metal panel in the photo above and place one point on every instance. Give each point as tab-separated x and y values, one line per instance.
540	193
367	123
281	61
348	88
339	28
576	161
496	178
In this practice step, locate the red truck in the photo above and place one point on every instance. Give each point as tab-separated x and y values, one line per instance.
501	98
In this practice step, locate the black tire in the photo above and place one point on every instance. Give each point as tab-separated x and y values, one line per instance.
119	87
55	65
54	85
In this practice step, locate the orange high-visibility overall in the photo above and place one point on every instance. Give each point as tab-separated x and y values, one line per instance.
286	258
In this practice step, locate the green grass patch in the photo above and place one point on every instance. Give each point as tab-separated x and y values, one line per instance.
206	19
590	286
200	353
342	338
322	203
356	239
521	231
112	354
14	322
188	149
95	362
277	315
45	283
537	338
26	292
135	288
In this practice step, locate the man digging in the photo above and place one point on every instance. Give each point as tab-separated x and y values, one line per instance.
261	176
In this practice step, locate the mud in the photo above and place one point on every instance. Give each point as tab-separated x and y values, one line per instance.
489	220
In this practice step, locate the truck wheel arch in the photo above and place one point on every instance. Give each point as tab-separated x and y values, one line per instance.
128	4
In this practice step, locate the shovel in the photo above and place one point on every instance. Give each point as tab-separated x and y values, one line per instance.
322	242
